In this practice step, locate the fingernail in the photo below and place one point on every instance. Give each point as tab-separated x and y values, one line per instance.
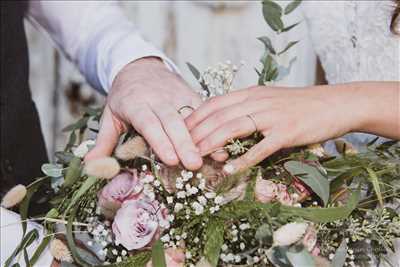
171	156
193	158
229	168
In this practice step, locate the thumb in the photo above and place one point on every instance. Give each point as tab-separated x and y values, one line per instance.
108	136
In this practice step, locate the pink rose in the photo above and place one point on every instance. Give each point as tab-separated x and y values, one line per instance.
173	258
310	238
124	186
283	195
137	223
265	190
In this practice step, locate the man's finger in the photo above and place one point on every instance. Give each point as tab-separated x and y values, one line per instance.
146	123
108	136
177	132
256	154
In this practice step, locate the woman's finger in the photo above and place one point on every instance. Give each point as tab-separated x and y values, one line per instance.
149	126
177	132
270	144
213	105
108	136
220	156
240	127
221	117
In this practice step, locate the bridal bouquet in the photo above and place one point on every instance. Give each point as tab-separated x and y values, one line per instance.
300	207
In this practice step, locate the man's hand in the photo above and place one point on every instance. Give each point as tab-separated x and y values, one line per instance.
146	95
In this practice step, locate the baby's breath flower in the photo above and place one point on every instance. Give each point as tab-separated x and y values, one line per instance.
14	196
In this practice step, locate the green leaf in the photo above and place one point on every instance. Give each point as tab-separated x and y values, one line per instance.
300	257
249	194
64	157
311	176
81	123
214	240
340	255
241	209
73	172
71	242
89	182
267	43
25	242
373	178
196	73
25	203
272	13
289	45
324	215
39	250
288	28
292	6
157	255
138	260
52	170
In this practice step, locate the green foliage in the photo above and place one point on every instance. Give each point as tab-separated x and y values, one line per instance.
299	256
272	13
87	184
340	255
138	260
73	172
292	6
52	170
311	176
157	255
214	240
26	242
196	73
324	215
373	178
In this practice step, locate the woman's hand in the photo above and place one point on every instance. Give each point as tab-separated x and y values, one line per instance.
286	117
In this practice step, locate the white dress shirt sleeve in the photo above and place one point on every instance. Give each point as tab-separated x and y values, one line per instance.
95	35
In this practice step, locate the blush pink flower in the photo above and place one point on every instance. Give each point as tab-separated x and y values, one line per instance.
138	223
301	189
283	195
310	238
265	190
124	186
173	258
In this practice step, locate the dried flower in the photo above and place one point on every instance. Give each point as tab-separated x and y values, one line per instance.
289	233
14	196
60	251
106	167
316	149
133	148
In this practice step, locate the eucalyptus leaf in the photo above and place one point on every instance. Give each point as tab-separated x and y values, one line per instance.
272	13
214	240
300	257
64	157
292	6
311	176
288	46
52	170
81	123
277	256
340	255
288	28
268	44
157	255
285	71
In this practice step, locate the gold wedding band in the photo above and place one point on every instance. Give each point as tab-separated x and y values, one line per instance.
183	107
253	121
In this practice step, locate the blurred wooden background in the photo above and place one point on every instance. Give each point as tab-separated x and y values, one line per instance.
203	33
